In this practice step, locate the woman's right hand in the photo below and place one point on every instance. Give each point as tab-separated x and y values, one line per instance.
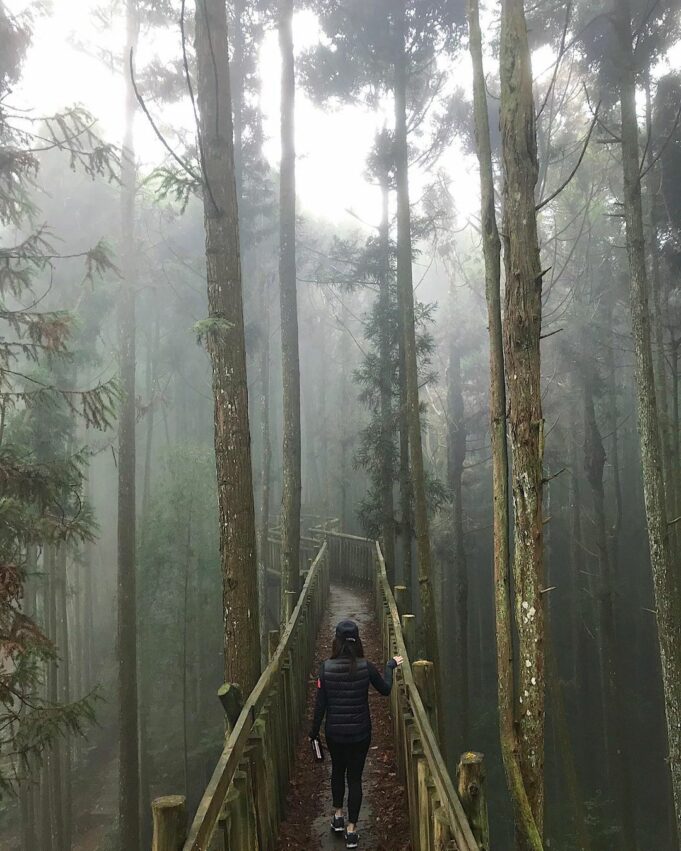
398	660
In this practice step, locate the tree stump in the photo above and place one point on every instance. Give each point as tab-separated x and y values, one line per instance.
471	788
170	823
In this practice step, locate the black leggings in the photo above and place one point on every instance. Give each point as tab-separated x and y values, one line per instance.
348	759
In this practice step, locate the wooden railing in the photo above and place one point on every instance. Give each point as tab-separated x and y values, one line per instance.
439	821
244	801
309	547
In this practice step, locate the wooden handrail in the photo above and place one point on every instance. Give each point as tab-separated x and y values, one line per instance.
332	534
245	796
448	798
213	801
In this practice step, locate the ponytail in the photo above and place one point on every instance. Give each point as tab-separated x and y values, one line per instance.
347	647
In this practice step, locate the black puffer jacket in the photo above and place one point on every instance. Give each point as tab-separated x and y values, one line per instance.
343	696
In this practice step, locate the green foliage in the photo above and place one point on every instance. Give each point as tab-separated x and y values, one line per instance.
179	572
214	327
369	267
41	475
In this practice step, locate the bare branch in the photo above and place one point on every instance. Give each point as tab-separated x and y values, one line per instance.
574	171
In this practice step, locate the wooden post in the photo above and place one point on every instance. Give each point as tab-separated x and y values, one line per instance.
170	823
471	788
424	677
409	634
400	593
232	702
442	836
424	803
273	642
290	600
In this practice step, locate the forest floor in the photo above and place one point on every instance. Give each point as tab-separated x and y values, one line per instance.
384	820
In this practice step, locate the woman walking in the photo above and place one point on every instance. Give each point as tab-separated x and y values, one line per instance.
343	696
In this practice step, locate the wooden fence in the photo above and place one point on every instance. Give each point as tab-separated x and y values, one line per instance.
309	547
244	801
442	817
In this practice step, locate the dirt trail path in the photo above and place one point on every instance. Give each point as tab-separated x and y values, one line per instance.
384	823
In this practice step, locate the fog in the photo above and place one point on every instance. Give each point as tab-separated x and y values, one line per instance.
120	389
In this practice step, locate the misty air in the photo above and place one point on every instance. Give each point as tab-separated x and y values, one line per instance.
340	450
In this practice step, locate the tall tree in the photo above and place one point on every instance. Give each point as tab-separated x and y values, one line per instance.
522	330
225	340
291	475
405	290
128	778
387	464
666	578
524	818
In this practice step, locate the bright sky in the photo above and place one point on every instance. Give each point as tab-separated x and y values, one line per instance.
331	145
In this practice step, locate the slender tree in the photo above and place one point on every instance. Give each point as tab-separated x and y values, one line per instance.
405	291
291	475
128	783
524	817
224	334
522	330
665	576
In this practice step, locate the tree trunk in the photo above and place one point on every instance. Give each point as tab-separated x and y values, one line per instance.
457	580
266	471
88	601
665	577
524	818
46	838
344	429
291	474
185	628
62	637
128	782
522	329
227	350
669	461
55	751
406	303
28	832
386	393
152	387
611	674
406	523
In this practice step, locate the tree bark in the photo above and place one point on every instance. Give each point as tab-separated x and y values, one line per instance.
227	350
386	393
457	580
266	470
128	782
55	750
404	575
62	638
291	474
524	818
406	304
665	577
522	329
611	674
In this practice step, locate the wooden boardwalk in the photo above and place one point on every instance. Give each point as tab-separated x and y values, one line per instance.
267	794
384	820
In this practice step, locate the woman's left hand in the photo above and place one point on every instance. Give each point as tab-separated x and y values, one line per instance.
398	660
